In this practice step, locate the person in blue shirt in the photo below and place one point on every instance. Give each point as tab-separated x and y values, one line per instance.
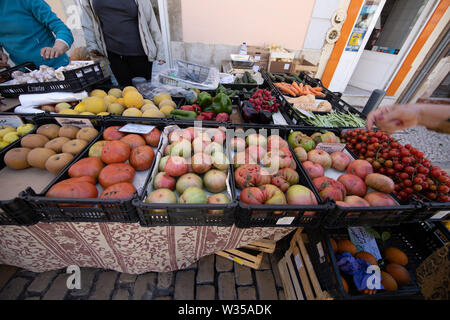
31	31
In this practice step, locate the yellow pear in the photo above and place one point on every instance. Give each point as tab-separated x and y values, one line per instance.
116	109
115	92
132	112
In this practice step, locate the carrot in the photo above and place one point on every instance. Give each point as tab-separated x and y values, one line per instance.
296	87
286	89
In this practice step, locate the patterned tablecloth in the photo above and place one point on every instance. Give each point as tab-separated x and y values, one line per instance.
122	247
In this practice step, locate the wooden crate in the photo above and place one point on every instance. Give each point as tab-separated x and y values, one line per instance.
304	65
244	256
263	245
297	272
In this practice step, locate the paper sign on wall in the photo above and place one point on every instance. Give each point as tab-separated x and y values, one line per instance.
287	66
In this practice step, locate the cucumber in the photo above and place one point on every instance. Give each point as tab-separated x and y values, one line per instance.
279	78
296	78
289	79
271	76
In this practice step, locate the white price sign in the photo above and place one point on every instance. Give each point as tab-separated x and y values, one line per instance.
137	128
331	147
285	221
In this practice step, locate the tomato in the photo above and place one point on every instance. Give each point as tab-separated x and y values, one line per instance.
72	190
116	173
90	166
115	152
404	176
408	183
409	170
252	195
399	167
133	140
388	163
113	133
444	189
122	190
153	137
142	157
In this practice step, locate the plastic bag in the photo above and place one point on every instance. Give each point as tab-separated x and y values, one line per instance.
190	75
150	89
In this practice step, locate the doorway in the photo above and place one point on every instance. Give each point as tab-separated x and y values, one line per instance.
395	30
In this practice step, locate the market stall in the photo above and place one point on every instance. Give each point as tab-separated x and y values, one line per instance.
164	173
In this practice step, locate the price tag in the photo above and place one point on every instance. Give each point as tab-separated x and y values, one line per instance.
364	241
76	122
257	58
298	262
331	147
12	121
137	128
287	66
278	118
285	220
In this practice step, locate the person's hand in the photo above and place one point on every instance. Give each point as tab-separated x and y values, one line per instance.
160	62
56	51
394	118
3	60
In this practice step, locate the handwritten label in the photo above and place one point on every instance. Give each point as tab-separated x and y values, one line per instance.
364	241
285	220
12	121
76	122
137	128
331	147
298	262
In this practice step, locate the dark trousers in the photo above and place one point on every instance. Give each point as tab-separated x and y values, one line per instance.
126	68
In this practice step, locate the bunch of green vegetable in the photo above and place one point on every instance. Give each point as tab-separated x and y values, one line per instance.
333	119
285	78
229	92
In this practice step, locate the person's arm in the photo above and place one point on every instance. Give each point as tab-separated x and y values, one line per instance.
155	31
44	14
398	117
88	28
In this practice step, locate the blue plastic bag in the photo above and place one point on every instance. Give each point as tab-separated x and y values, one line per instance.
358	268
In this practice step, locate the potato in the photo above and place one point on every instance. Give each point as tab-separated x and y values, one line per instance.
380	182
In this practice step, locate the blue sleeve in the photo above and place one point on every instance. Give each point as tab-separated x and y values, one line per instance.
44	14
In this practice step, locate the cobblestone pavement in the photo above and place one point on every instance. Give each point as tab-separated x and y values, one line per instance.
436	146
211	278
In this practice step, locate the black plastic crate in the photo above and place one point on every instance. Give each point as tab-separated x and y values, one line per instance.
19	211
152	214
416	240
75	80
85	210
281	109
264	215
406	212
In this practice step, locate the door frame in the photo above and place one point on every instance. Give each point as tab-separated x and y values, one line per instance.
417	29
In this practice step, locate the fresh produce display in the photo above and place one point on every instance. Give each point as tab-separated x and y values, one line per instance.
206	107
110	169
193	168
337	176
333	119
127	102
9	134
51	148
394	263
246	78
413	174
265	172
260	107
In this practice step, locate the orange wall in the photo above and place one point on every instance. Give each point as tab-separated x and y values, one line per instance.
257	22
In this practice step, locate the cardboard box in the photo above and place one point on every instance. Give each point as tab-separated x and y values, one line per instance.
280	66
304	65
259	54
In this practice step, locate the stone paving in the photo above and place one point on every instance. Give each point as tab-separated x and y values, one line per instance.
211	278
